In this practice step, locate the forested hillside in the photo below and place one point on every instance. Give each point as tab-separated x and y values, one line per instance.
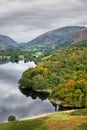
63	74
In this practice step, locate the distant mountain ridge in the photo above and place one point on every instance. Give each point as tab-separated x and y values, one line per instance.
6	41
55	36
73	38
61	37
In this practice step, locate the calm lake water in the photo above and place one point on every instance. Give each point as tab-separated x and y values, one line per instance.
12	101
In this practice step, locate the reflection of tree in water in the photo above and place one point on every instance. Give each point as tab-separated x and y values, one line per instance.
29	92
43	96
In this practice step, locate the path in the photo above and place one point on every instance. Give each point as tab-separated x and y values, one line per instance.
46	114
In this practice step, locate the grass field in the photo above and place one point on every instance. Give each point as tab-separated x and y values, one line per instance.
58	121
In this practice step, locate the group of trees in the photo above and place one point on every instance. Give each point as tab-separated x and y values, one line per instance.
25	53
72	93
64	73
15	54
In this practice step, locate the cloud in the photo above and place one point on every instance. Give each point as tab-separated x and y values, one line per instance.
26	19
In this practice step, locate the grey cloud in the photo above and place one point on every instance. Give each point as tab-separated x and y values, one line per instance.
40	16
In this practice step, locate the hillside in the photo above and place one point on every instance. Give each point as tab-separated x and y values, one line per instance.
6	41
58	121
73	38
51	40
53	36
63	74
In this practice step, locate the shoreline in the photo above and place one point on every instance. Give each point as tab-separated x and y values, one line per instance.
45	114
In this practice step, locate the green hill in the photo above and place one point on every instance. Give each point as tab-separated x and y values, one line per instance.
63	74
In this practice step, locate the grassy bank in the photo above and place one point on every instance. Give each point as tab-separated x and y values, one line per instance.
23	125
58	121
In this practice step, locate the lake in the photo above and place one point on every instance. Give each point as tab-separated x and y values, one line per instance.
12	100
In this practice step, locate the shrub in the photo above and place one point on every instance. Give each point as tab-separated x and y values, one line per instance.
11	118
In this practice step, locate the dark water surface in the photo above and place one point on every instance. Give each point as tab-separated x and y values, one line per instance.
12	101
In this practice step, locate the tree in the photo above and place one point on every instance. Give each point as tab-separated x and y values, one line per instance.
11	118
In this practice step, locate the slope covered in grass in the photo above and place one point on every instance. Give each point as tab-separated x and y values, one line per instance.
56	121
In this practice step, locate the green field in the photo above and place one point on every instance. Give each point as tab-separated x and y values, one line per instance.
57	121
23	125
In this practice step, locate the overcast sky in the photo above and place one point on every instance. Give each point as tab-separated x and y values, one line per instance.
23	20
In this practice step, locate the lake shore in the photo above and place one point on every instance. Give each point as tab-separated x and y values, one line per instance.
64	120
45	114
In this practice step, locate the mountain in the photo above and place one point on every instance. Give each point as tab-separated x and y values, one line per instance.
73	38
53	39
6	41
54	36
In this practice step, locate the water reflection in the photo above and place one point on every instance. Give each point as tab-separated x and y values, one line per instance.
12	101
33	94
